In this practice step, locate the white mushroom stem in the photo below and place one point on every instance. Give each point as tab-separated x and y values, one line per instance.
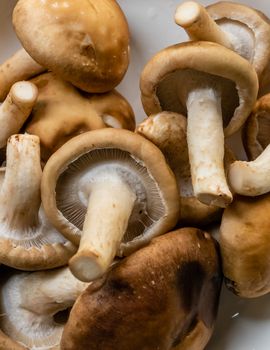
199	25
19	67
16	109
110	205
20	191
251	178
205	140
50	291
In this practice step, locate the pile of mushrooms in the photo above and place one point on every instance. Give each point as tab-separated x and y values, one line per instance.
91	204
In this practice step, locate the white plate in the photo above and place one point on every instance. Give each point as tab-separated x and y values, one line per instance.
242	324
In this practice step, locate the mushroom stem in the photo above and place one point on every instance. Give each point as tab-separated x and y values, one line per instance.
51	291
110	205
205	139
251	178
20	191
199	25
16	109
19	67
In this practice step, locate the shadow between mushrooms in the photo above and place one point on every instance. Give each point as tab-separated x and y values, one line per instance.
256	131
27	239
112	191
214	87
164	296
252	178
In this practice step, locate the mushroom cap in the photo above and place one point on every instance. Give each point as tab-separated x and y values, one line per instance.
114	109
256	130
153	299
167	130
84	41
44	249
249	30
35	306
62	112
161	80
7	343
154	181
22	245
245	244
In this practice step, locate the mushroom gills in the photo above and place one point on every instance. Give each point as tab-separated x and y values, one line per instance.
30	303
111	198
240	36
171	101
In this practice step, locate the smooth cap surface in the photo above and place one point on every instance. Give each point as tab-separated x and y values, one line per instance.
84	41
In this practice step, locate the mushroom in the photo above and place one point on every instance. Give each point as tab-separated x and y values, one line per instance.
164	296
256	131
213	86
245	245
8	344
251	178
16	109
84	41
114	110
19	67
62	112
113	189
236	26
27	240
167	130
33	307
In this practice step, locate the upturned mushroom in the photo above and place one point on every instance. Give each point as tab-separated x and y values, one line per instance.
112	191
256	131
236	26
245	245
33	307
252	178
167	130
19	67
27	239
84	41
62	112
213	86
163	296
16	109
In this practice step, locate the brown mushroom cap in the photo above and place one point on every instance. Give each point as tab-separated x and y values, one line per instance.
8	344
114	110
249	33
245	245
162	80
256	132
167	130
84	41
62	112
154	299
91	173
